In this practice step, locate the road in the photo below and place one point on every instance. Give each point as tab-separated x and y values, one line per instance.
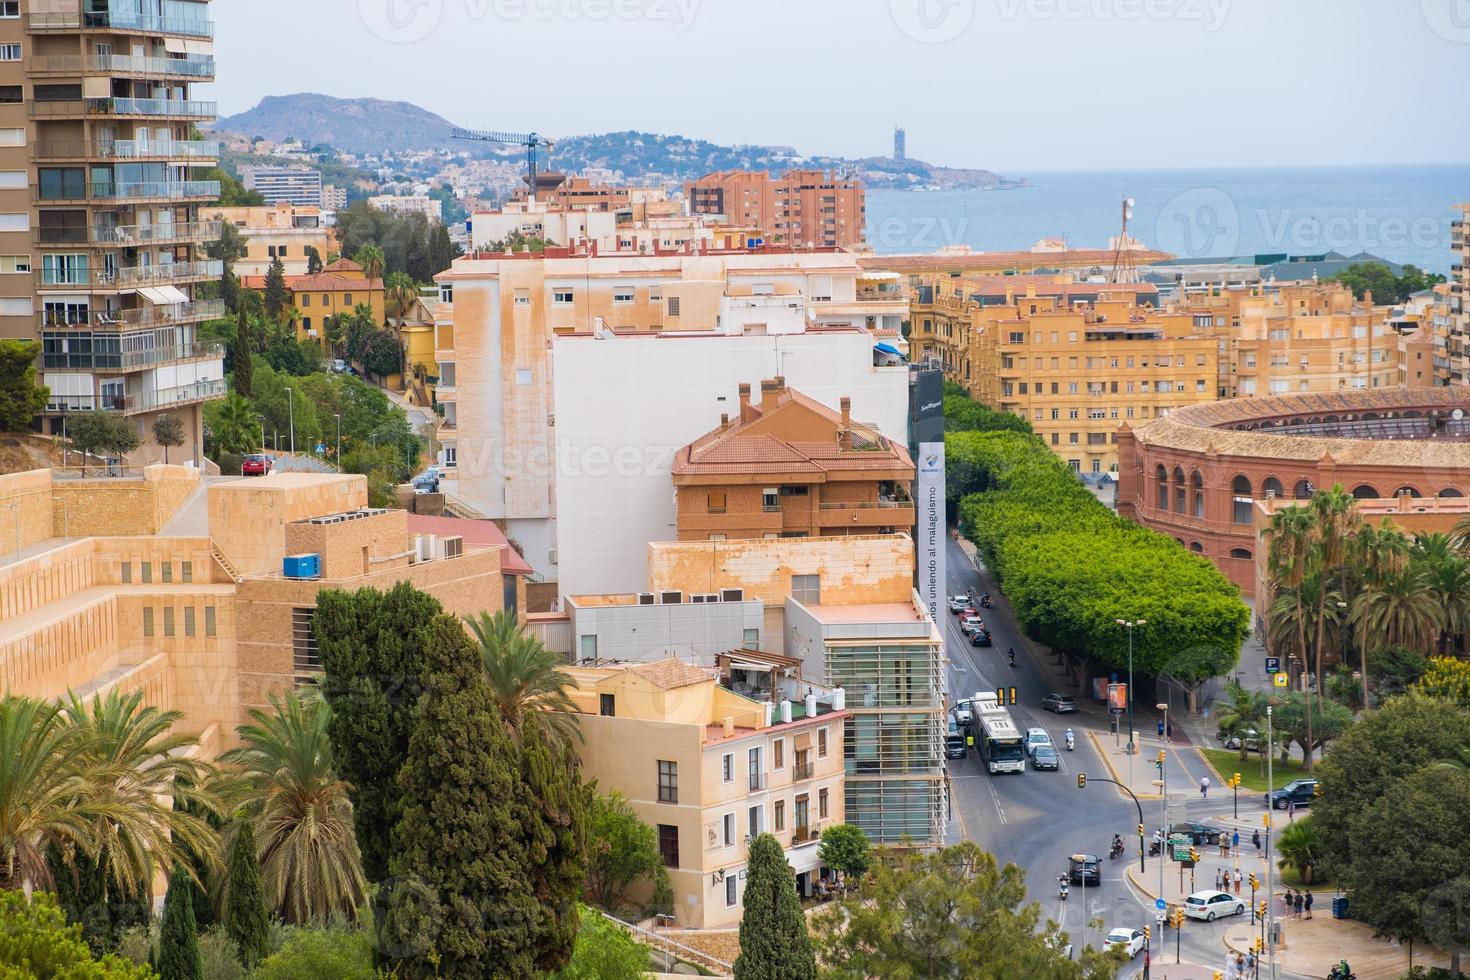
1036	820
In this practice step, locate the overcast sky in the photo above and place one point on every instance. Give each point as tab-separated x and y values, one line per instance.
1009	85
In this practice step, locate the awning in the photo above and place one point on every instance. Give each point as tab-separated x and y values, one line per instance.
887	349
804	857
154	295
173	294
174	45
96	87
198	46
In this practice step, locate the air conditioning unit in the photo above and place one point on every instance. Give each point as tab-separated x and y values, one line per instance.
670	598
424	547
697	597
732	595
451	547
645	598
704	597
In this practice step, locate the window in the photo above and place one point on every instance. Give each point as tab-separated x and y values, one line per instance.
188	620
306	299
770	499
346	299
753	768
186	571
1272	487
127	573
167	569
589	646
1198	483
668	781
622	295
209	621
1241	501
673	306
523	297
780	807
732	885
607	705
778	753
147	572
727	767
12	137
821	743
753	818
561	297
1303	490
168	620
807	589
668	844
9	9
147	620
11	94
523	376
728	828
822	804
715	501
1240	553
9	52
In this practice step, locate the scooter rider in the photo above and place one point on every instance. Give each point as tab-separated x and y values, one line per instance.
1062	887
1011	656
1070	740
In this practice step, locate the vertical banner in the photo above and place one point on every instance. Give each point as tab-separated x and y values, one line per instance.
931	531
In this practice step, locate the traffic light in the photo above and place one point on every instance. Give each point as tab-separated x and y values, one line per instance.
1177	917
1145	934
1140	830
1218	975
1255	882
1266	819
1263	908
1260	945
1082	780
1013	696
1160	762
1235	781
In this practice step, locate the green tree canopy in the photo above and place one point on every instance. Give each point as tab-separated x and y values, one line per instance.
380	353
604	952
246	920
20	397
35	941
101	433
1377	278
845	849
231	425
168	430
319	953
774	943
623	851
277	297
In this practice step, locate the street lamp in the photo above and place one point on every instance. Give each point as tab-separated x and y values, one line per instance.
1130	623
338	417
1164	792
291	408
261	420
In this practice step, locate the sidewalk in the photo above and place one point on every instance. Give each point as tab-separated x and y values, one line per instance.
1314	946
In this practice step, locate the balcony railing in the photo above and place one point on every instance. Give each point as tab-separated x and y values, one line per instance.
151	190
124	361
146	401
119	20
130	235
75	64
135	276
171	108
864	504
803	771
142	317
203	150
757	781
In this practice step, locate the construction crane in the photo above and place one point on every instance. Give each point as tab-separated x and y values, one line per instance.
529	140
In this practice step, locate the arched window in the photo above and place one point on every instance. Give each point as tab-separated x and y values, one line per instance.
1199	495
1303	490
1179	502
1272	487
1196	547
1162	475
1241	501
1407	490
1365	491
1240	553
1449	492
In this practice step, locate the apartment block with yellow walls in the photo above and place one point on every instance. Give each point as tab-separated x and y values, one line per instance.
710	768
281	231
161	585
338	289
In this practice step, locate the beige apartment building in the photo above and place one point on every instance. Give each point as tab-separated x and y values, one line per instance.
162	585
710	768
281	231
1459	298
101	239
802	207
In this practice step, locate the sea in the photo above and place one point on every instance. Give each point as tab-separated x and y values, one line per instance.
1400	213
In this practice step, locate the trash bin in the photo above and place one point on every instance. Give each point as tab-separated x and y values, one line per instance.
1340	907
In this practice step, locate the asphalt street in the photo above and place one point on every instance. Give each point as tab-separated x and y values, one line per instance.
1036	820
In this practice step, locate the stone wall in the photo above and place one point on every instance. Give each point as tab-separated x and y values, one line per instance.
854	570
30	495
104	506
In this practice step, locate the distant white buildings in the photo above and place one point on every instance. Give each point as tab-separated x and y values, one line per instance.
285	185
409	204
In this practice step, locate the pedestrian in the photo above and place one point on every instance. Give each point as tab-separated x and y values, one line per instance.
1217	878
1250	961
1290	905
1301	902
1169	731
1235	843
1308	905
1204	787
1256	840
1161	728
1291	809
1238	878
1240	964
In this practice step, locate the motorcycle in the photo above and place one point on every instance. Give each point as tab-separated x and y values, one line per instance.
1071	742
1342	972
1154	847
1117	847
1062	887
985	600
1011	656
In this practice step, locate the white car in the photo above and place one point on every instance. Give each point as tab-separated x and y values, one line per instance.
1035	737
1211	905
959	603
1130	940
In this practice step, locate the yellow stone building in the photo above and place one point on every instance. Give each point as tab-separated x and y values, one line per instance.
338	289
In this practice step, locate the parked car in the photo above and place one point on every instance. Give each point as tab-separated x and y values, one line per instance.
1084	869
339	366
1253	740
1045	757
1036	737
959	603
1198	833
426	483
256	464
1302	792
1211	905
1060	703
980	638
1129	940
955	746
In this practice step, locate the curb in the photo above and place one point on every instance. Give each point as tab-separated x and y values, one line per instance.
1113	773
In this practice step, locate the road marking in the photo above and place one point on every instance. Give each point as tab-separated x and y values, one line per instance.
996	797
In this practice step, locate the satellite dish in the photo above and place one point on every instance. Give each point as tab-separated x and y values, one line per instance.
1457	414
1130	202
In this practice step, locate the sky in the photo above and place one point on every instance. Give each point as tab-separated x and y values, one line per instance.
1006	85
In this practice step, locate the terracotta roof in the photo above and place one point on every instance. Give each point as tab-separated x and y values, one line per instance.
343	265
673	673
317	282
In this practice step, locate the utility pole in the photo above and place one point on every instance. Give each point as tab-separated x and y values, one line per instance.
1130	623
291	406
1270	872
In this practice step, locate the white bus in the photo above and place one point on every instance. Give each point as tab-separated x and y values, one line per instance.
1000	743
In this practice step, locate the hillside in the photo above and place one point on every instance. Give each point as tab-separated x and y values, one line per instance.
372	125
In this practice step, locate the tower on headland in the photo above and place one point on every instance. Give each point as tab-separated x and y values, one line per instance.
899	149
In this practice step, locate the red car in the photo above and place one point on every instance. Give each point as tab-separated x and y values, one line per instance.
256	464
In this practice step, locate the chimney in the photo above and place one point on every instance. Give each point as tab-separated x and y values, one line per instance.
728	725
724	420
844	434
745	411
771	392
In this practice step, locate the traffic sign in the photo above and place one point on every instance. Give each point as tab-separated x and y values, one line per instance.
1278	680
1181	846
1160	904
320	448
1273	665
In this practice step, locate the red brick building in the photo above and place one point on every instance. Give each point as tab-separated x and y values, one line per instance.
802	207
1196	474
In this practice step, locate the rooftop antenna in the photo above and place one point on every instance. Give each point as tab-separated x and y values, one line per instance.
1124	269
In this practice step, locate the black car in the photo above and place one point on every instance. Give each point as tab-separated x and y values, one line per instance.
1060	703
1086	871
1302	792
980	638
1198	833
1045	757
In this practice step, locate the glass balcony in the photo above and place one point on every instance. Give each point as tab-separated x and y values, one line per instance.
104	361
142	317
129	278
131	235
205	151
119	20
148	108
193	67
149	190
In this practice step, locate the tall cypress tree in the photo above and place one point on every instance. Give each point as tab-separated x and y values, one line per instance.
555	829
459	835
276	294
774	944
246	920
244	369
372	650
86	894
178	940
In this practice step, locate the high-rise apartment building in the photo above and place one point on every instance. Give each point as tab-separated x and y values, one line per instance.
285	185
100	238
802	207
1459	312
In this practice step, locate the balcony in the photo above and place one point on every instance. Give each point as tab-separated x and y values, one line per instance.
128	236
147	401
113	108
130	278
806	833
203	151
196	68
123	21
105	362
803	771
142	317
202	191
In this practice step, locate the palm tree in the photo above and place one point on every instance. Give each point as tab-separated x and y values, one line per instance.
136	769
1460	535
370	257
1338	519
309	863
234	425
1397	606
1291	537
43	774
1246	713
1448	577
526	680
1299	844
399	296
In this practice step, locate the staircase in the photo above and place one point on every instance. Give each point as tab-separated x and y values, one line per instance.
224	562
663	944
455	507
